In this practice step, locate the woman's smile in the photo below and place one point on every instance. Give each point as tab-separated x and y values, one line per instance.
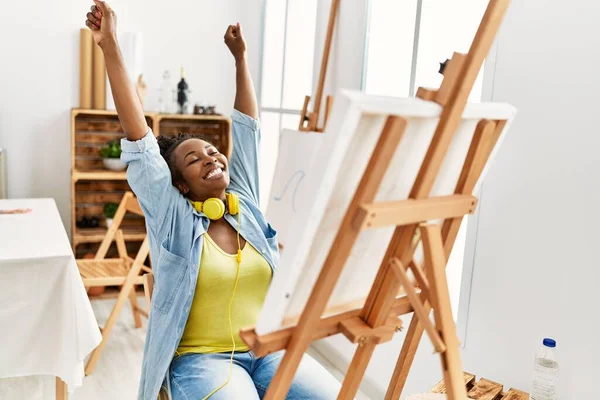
215	172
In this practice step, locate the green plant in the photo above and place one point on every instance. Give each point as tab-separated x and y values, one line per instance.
110	209
111	150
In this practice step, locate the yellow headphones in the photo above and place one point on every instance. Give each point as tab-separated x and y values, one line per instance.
214	208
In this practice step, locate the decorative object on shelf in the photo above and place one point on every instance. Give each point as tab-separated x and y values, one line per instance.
86	44
140	88
165	98
98	79
182	94
111	156
110	209
88	222
205	110
92	73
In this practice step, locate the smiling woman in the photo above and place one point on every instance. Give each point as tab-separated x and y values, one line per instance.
198	170
212	249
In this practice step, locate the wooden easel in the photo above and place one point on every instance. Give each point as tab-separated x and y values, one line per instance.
378	320
309	121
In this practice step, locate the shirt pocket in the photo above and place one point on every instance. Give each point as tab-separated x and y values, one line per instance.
172	272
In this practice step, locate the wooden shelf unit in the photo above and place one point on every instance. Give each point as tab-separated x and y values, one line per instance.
92	186
98	175
212	128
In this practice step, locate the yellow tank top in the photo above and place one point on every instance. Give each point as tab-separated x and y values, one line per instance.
207	328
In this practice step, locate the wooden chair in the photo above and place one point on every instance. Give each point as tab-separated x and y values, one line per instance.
123	271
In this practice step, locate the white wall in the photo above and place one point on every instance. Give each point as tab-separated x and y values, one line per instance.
39	74
533	243
536	264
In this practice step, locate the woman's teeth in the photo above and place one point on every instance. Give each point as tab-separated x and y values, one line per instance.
215	173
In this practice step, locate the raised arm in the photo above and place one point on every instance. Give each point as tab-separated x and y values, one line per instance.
103	23
148	174
245	97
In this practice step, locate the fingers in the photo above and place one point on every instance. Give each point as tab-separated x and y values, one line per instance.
96	11
104	8
91	25
233	32
93	19
229	33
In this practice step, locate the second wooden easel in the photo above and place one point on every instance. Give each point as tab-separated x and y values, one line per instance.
309	121
378	320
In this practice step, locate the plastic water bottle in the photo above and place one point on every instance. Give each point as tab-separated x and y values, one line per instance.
545	372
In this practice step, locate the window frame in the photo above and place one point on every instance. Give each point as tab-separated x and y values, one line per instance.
276	110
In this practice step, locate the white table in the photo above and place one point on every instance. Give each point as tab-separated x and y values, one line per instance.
48	326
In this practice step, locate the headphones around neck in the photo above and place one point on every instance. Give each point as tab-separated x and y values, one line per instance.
214	208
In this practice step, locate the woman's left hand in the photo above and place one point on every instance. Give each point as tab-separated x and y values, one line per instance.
235	41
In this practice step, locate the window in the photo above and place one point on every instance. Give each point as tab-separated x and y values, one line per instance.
405	42
389	47
286	75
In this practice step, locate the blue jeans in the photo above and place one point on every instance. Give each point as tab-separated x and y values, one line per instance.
194	376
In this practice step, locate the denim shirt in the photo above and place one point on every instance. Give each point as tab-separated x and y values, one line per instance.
175	232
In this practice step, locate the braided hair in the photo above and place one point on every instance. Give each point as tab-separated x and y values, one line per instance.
167	145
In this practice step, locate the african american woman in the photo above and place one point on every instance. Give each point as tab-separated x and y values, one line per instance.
212	250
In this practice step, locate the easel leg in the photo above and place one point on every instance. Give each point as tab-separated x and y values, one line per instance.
435	263
356	371
284	376
407	355
61	390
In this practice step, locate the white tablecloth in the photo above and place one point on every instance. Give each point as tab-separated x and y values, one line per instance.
47	323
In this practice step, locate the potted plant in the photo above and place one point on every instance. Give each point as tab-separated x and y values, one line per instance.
111	156
110	210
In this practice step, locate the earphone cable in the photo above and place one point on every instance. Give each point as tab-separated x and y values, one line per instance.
237	277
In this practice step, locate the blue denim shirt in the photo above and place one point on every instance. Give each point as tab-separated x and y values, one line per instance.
175	230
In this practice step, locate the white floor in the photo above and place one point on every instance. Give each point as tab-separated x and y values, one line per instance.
117	373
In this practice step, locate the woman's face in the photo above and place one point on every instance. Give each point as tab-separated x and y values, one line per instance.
204	170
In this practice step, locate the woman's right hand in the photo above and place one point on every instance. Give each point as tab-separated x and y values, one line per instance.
102	20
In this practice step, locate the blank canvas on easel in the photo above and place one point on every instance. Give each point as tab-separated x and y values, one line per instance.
341	159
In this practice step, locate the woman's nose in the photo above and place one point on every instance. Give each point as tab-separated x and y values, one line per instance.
210	160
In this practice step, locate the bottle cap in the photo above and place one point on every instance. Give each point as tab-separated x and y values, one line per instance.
549	342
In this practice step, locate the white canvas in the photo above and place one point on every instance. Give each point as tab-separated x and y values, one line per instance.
329	183
297	154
